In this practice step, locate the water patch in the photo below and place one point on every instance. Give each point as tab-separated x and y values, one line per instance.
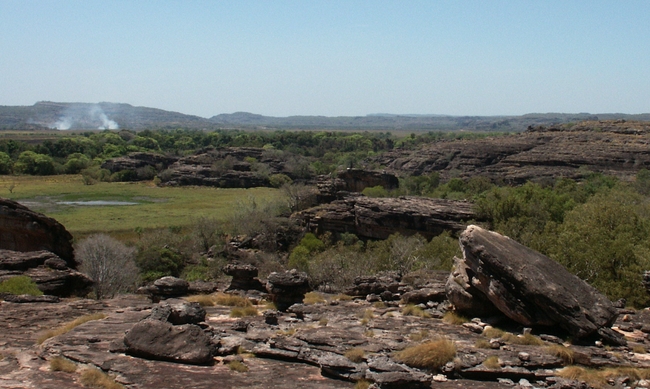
97	202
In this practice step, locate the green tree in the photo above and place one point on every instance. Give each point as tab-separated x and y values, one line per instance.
30	162
6	164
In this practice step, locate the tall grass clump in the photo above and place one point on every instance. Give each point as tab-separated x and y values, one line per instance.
94	378
430	355
62	364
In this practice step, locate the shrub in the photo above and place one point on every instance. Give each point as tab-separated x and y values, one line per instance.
95	378
6	164
69	326
109	263
430	355
33	163
20	285
278	180
356	355
62	364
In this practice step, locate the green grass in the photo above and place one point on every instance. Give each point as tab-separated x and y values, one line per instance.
157	208
20	285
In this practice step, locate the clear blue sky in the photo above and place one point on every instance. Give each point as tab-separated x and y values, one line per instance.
330	57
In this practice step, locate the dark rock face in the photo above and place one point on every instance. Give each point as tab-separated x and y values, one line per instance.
47	270
378	218
287	288
244	277
24	230
159	340
379	284
616	148
352	180
527	286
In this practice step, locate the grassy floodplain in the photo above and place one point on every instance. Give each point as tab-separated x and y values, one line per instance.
157	207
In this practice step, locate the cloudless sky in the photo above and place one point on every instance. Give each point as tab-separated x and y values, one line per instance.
333	58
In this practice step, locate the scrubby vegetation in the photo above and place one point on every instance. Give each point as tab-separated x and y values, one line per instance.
20	285
62	364
95	378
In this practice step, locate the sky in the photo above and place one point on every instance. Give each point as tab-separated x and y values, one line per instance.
331	58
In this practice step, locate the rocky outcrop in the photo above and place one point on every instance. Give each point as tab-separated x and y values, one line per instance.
22	229
166	287
615	148
50	273
178	312
352	180
244	277
135	161
383	285
287	288
232	167
378	218
526	286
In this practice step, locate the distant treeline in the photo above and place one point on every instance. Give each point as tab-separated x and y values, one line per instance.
72	153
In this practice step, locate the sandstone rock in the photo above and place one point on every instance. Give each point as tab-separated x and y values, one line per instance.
542	153
202	287
375	285
47	270
166	287
528	287
138	160
177	312
26	298
287	288
22	229
378	218
244	277
158	340
352	180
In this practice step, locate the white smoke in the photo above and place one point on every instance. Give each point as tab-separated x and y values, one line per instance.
85	117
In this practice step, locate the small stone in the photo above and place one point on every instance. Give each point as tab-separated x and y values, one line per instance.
371	298
527	331
598	343
627	318
525	383
233	358
440	378
506	381
525	357
495	343
473	327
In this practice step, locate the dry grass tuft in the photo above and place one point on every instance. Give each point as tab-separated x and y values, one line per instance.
313	298
237	366
94	378
414	310
231	300
482	343
379	305
355	355
342	297
639	349
564	353
528	339
68	327
323	321
362	384
62	364
204	300
244	311
287	332
492	362
369	334
454	318
492	332
419	336
431	355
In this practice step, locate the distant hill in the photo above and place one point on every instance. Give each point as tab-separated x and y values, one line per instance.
63	116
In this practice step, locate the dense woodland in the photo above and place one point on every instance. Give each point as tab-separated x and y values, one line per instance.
599	228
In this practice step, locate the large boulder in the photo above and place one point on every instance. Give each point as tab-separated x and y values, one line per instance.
166	287
287	288
527	286
160	340
22	229
178	312
244	277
